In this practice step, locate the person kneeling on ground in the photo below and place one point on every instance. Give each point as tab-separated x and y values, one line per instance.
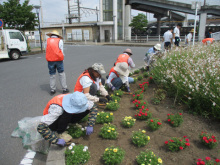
62	110
90	81
148	59
118	76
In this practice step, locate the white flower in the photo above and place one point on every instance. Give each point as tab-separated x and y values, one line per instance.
70	147
73	144
85	147
84	150
72	152
82	129
214	104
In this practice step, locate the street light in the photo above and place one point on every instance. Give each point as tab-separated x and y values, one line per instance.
37	7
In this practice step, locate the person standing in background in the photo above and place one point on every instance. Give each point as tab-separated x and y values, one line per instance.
189	37
168	38
176	34
55	57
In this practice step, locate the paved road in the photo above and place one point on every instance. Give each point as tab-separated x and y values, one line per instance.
24	87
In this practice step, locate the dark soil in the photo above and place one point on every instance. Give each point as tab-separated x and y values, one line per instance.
191	127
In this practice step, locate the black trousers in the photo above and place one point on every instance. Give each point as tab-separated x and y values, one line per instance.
62	122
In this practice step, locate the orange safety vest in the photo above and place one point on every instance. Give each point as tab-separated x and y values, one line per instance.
56	100
78	86
113	70
122	58
53	52
204	41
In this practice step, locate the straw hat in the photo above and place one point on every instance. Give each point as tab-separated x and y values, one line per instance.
54	33
157	46
192	30
122	69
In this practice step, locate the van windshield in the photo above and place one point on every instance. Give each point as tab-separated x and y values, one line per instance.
16	35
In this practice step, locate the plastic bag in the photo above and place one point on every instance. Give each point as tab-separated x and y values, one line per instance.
31	139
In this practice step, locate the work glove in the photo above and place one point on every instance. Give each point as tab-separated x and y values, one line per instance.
102	100
61	142
89	130
128	89
109	98
113	88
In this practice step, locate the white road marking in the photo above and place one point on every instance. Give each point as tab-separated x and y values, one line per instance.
28	158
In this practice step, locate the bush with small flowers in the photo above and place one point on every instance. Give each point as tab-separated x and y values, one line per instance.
76	130
175	119
154	124
104	117
148	157
112	106
176	144
77	154
208	140
128	121
115	98
135	80
118	93
140	104
143	114
208	161
137	71
138	96
108	131
151	80
113	155
140	77
146	74
139	138
144	86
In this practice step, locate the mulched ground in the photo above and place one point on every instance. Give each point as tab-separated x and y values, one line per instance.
191	127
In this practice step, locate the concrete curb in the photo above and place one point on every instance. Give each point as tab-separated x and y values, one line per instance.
56	155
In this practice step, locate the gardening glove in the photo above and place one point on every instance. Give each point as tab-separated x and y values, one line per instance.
102	100
61	142
89	130
109	98
113	88
128	89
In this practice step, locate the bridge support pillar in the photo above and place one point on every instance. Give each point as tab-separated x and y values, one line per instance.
127	28
202	25
158	24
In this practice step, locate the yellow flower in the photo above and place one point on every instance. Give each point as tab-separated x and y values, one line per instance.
107	117
115	100
106	103
109	130
97	113
115	150
113	129
112	95
116	93
111	113
160	160
106	149
148	137
128	123
143	131
102	112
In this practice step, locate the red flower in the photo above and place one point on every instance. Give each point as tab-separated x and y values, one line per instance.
214	140
133	102
139	114
135	115
138	95
152	120
139	102
184	136
213	137
158	123
187	144
204	138
181	148
168	114
142	106
171	140
180	140
169	120
210	140
217	160
151	78
208	158
147	109
206	141
180	113
133	95
166	142
144	102
172	122
145	114
199	159
136	105
202	163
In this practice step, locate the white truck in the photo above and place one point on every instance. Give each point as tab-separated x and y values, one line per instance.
12	44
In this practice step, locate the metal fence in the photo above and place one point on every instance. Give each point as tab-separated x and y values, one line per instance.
216	36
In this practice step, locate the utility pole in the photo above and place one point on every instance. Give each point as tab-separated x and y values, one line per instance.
70	20
78	11
204	3
41	13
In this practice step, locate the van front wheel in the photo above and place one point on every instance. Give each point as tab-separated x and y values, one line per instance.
15	55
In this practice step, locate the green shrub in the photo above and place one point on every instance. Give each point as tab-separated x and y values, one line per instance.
139	138
113	155
108	131
104	117
148	157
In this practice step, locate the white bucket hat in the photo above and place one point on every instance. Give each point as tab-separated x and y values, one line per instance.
157	46
122	69
54	33
128	51
99	68
75	102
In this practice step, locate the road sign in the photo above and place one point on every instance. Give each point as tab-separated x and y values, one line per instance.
196	5
1	23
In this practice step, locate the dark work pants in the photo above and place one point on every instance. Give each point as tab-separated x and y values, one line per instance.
62	122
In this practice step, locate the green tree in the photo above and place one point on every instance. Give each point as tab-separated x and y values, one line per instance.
18	16
138	23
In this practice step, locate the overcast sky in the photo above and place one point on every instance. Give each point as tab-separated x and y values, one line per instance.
56	10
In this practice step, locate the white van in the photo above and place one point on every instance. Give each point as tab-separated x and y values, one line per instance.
12	44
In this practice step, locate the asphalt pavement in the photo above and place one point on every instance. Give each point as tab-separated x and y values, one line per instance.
24	86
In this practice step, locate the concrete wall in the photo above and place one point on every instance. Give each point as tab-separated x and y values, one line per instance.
102	32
